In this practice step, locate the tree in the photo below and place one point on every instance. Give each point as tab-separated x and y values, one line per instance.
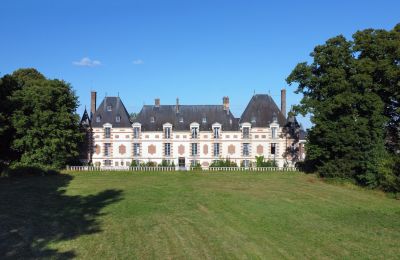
348	107
45	120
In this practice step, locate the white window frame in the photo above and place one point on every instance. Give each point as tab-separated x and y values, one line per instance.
246	149
167	149
216	149
194	149
136	149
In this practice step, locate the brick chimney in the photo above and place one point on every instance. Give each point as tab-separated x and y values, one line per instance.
157	102
283	102
225	101
177	105
93	97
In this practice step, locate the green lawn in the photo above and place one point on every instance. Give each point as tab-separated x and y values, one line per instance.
194	215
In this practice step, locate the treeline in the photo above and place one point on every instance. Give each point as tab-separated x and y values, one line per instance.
39	126
352	91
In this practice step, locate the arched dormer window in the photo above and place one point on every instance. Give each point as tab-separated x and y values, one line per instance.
167	127
194	130
136	130
246	130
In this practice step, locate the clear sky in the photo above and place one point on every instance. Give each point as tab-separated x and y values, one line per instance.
196	50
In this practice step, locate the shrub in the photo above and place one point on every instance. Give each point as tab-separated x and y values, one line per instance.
260	162
223	163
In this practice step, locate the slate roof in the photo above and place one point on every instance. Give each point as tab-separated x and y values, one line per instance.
189	113
117	109
85	121
260	112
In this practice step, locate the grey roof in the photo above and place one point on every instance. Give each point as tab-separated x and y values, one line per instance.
189	113
261	110
85	121
117	109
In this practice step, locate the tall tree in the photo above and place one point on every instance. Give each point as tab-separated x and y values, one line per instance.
352	98
45	120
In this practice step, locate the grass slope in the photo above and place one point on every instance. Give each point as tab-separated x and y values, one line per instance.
203	215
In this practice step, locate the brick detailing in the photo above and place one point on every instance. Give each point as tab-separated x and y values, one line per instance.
231	149
151	149
181	149
97	149
205	149
122	149
260	149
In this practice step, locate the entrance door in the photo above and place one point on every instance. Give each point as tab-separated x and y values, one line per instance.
181	162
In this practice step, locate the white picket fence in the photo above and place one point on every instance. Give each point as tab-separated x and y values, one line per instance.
171	169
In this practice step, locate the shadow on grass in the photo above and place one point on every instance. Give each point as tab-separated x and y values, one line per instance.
35	211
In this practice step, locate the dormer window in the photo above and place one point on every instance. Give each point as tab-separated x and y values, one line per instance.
204	120
181	120
152	119
195	132
216	132
136	132
117	119
167	132
253	119
273	132
98	119
246	132
109	108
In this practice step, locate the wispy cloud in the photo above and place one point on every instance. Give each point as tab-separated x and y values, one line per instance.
87	62
138	62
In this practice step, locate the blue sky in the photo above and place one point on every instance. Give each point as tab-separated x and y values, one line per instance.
198	51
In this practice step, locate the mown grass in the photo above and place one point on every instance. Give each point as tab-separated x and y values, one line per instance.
196	215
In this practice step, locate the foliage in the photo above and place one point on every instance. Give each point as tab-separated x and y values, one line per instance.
196	166
223	163
166	163
39	124
347	89
151	164
260	162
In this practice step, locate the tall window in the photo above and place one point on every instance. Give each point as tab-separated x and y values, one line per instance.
136	131
273	148
216	149
194	149
107	149
195	132
136	149
246	132
107	132
273	132
167	149
246	149
107	162
216	132
167	132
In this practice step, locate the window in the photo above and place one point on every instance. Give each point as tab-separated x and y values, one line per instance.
117	119
107	149
216	149
167	132
136	149
204	120
98	119
273	148
195	132
152	119
181	120
253	119
194	149
107	132
246	163
107	162
246	132
246	149
216	132
273	132
274	118
109	108
136	132
116	163
167	149
194	163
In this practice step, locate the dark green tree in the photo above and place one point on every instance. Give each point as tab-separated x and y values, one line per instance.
347	136
45	120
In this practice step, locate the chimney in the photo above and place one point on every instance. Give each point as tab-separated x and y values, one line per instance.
283	102
93	96
177	105
157	102
225	101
